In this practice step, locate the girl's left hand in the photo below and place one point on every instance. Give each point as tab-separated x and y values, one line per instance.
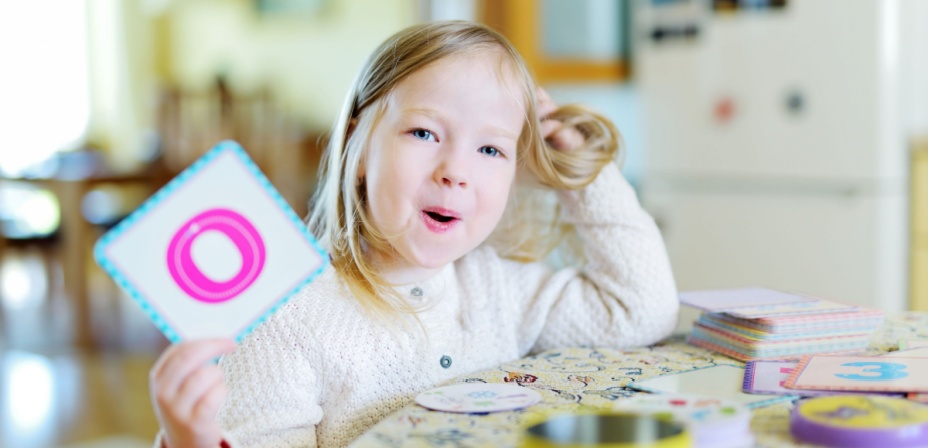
562	138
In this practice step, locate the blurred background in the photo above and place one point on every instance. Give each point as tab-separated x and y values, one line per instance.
778	143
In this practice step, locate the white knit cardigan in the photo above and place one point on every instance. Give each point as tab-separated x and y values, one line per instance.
320	371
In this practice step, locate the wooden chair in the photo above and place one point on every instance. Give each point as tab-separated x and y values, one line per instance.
192	122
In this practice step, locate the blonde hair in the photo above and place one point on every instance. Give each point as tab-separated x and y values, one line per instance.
338	216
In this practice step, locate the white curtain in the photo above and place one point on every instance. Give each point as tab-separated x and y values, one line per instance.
122	80
74	72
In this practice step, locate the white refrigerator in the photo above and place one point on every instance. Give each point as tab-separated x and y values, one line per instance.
777	141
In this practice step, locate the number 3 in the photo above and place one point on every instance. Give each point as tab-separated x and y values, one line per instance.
881	371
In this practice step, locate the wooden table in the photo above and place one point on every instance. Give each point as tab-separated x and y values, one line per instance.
76	238
575	379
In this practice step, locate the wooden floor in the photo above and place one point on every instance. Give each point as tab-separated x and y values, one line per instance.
54	395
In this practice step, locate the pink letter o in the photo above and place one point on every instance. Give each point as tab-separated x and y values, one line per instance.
191	279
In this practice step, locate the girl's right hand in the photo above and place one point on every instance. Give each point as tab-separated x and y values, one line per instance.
187	390
560	137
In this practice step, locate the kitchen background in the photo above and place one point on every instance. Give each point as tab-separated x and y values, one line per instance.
778	143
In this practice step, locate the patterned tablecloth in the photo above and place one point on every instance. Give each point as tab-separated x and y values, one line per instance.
579	379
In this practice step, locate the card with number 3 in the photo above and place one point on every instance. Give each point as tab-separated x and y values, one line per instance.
214	252
861	373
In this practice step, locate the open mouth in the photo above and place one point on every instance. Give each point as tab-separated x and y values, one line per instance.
440	220
439	217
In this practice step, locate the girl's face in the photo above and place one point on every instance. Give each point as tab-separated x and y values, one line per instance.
441	161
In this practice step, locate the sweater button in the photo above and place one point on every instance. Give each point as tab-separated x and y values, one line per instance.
445	361
416	292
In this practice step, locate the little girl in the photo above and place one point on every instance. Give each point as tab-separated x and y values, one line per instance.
440	123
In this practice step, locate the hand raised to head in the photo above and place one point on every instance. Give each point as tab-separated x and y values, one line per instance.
562	138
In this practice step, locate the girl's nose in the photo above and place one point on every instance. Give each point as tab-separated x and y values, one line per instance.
452	171
452	179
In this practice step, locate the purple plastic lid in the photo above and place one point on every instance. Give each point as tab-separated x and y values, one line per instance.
855	421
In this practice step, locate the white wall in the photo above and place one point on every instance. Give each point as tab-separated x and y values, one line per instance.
620	102
308	60
914	66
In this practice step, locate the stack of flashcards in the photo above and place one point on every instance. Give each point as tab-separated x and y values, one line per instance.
764	324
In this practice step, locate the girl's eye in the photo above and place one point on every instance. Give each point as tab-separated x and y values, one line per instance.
423	134
490	151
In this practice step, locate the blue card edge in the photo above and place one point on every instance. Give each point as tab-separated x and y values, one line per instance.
155	199
757	404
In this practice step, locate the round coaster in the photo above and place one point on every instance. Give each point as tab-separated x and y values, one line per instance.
714	422
478	398
860	421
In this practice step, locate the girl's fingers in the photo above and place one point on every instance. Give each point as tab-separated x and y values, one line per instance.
545	104
178	361
549	127
194	387
562	138
208	405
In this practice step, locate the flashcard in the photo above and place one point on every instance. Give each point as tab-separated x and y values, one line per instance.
920	352
723	382
720	300
916	351
914	343
816	306
861	373
769	377
214	252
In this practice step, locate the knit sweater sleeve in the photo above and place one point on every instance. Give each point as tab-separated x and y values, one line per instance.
269	405
624	296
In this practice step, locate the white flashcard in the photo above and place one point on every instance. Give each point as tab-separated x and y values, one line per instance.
720	381
727	299
866	373
791	309
214	252
914	343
